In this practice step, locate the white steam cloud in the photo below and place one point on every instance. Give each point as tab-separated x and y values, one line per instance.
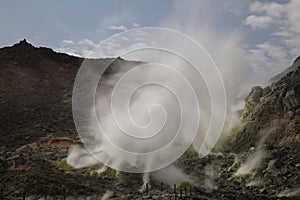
107	195
142	109
172	175
255	159
147	114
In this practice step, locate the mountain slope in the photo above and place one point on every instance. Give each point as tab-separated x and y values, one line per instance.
261	161
35	89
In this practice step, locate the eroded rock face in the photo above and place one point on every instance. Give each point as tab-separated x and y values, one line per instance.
271	123
281	96
281	101
276	99
252	100
290	100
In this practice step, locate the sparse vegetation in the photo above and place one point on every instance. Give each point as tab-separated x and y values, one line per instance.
183	185
231	136
110	172
232	131
63	164
94	173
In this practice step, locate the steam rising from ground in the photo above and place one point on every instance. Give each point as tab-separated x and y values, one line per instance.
80	158
154	108
255	159
172	175
107	195
147	114
295	192
209	179
251	163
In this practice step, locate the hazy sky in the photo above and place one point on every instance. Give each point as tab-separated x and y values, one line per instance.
266	32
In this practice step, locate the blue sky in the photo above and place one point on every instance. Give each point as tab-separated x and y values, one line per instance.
266	33
49	22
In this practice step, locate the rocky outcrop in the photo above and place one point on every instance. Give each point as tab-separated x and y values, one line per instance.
271	125
252	100
290	100
263	156
276	99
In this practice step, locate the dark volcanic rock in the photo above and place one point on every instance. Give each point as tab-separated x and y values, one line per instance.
36	105
271	124
276	106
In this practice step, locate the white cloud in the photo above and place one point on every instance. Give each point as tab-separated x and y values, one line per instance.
268	58
293	14
87	42
272	9
286	16
100	30
135	24
69	47
284	41
80	48
119	28
258	21
265	14
67	42
272	50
